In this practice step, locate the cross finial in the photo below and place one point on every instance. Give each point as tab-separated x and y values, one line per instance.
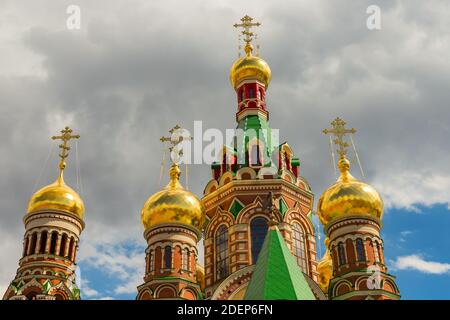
339	131
246	24
66	136
176	137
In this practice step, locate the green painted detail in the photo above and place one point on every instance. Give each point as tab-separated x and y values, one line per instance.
21	284
14	287
235	208
295	162
76	293
46	286
215	165
254	127
283	206
276	275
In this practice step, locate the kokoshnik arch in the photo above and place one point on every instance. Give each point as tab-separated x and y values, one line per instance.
259	238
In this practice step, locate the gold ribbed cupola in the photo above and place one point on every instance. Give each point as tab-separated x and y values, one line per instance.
58	195
348	196
325	268
249	67
174	204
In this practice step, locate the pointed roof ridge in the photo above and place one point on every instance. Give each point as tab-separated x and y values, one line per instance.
276	275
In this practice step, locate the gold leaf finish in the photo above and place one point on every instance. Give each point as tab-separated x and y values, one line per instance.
57	196
173	204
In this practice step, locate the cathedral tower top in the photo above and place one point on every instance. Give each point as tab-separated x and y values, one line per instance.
173	204
348	196
249	67
58	195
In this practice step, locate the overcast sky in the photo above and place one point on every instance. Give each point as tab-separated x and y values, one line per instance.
137	67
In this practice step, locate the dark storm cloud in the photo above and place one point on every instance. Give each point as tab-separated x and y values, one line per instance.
136	68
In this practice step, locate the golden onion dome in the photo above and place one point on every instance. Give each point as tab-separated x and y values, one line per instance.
325	268
173	205
349	197
250	67
200	272
57	196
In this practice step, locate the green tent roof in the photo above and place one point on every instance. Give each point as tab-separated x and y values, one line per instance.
276	275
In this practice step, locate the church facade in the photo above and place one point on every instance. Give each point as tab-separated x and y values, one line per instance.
255	218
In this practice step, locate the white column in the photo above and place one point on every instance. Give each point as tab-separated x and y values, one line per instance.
38	243
49	239
58	244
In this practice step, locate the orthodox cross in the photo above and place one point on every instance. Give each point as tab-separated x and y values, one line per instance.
66	136
246	24
175	138
339	131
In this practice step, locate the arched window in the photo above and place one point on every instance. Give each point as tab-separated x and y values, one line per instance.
53	240
341	253
62	248
255	156
360	254
222	252
151	261
241	95
33	243
258	231
261	95
168	257
43	242
185	259
251	93
298	237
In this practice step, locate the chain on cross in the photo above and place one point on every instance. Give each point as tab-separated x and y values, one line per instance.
66	136
339	131
246	24
174	140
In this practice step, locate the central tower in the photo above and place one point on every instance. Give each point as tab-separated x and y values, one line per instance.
236	199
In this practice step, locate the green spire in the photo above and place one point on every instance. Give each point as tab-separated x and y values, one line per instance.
277	276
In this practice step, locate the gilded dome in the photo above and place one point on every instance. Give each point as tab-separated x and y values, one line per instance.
325	268
57	196
349	196
250	67
173	204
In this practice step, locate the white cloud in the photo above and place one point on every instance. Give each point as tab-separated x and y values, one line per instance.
406	233
123	260
130	286
88	292
406	189
117	90
416	262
